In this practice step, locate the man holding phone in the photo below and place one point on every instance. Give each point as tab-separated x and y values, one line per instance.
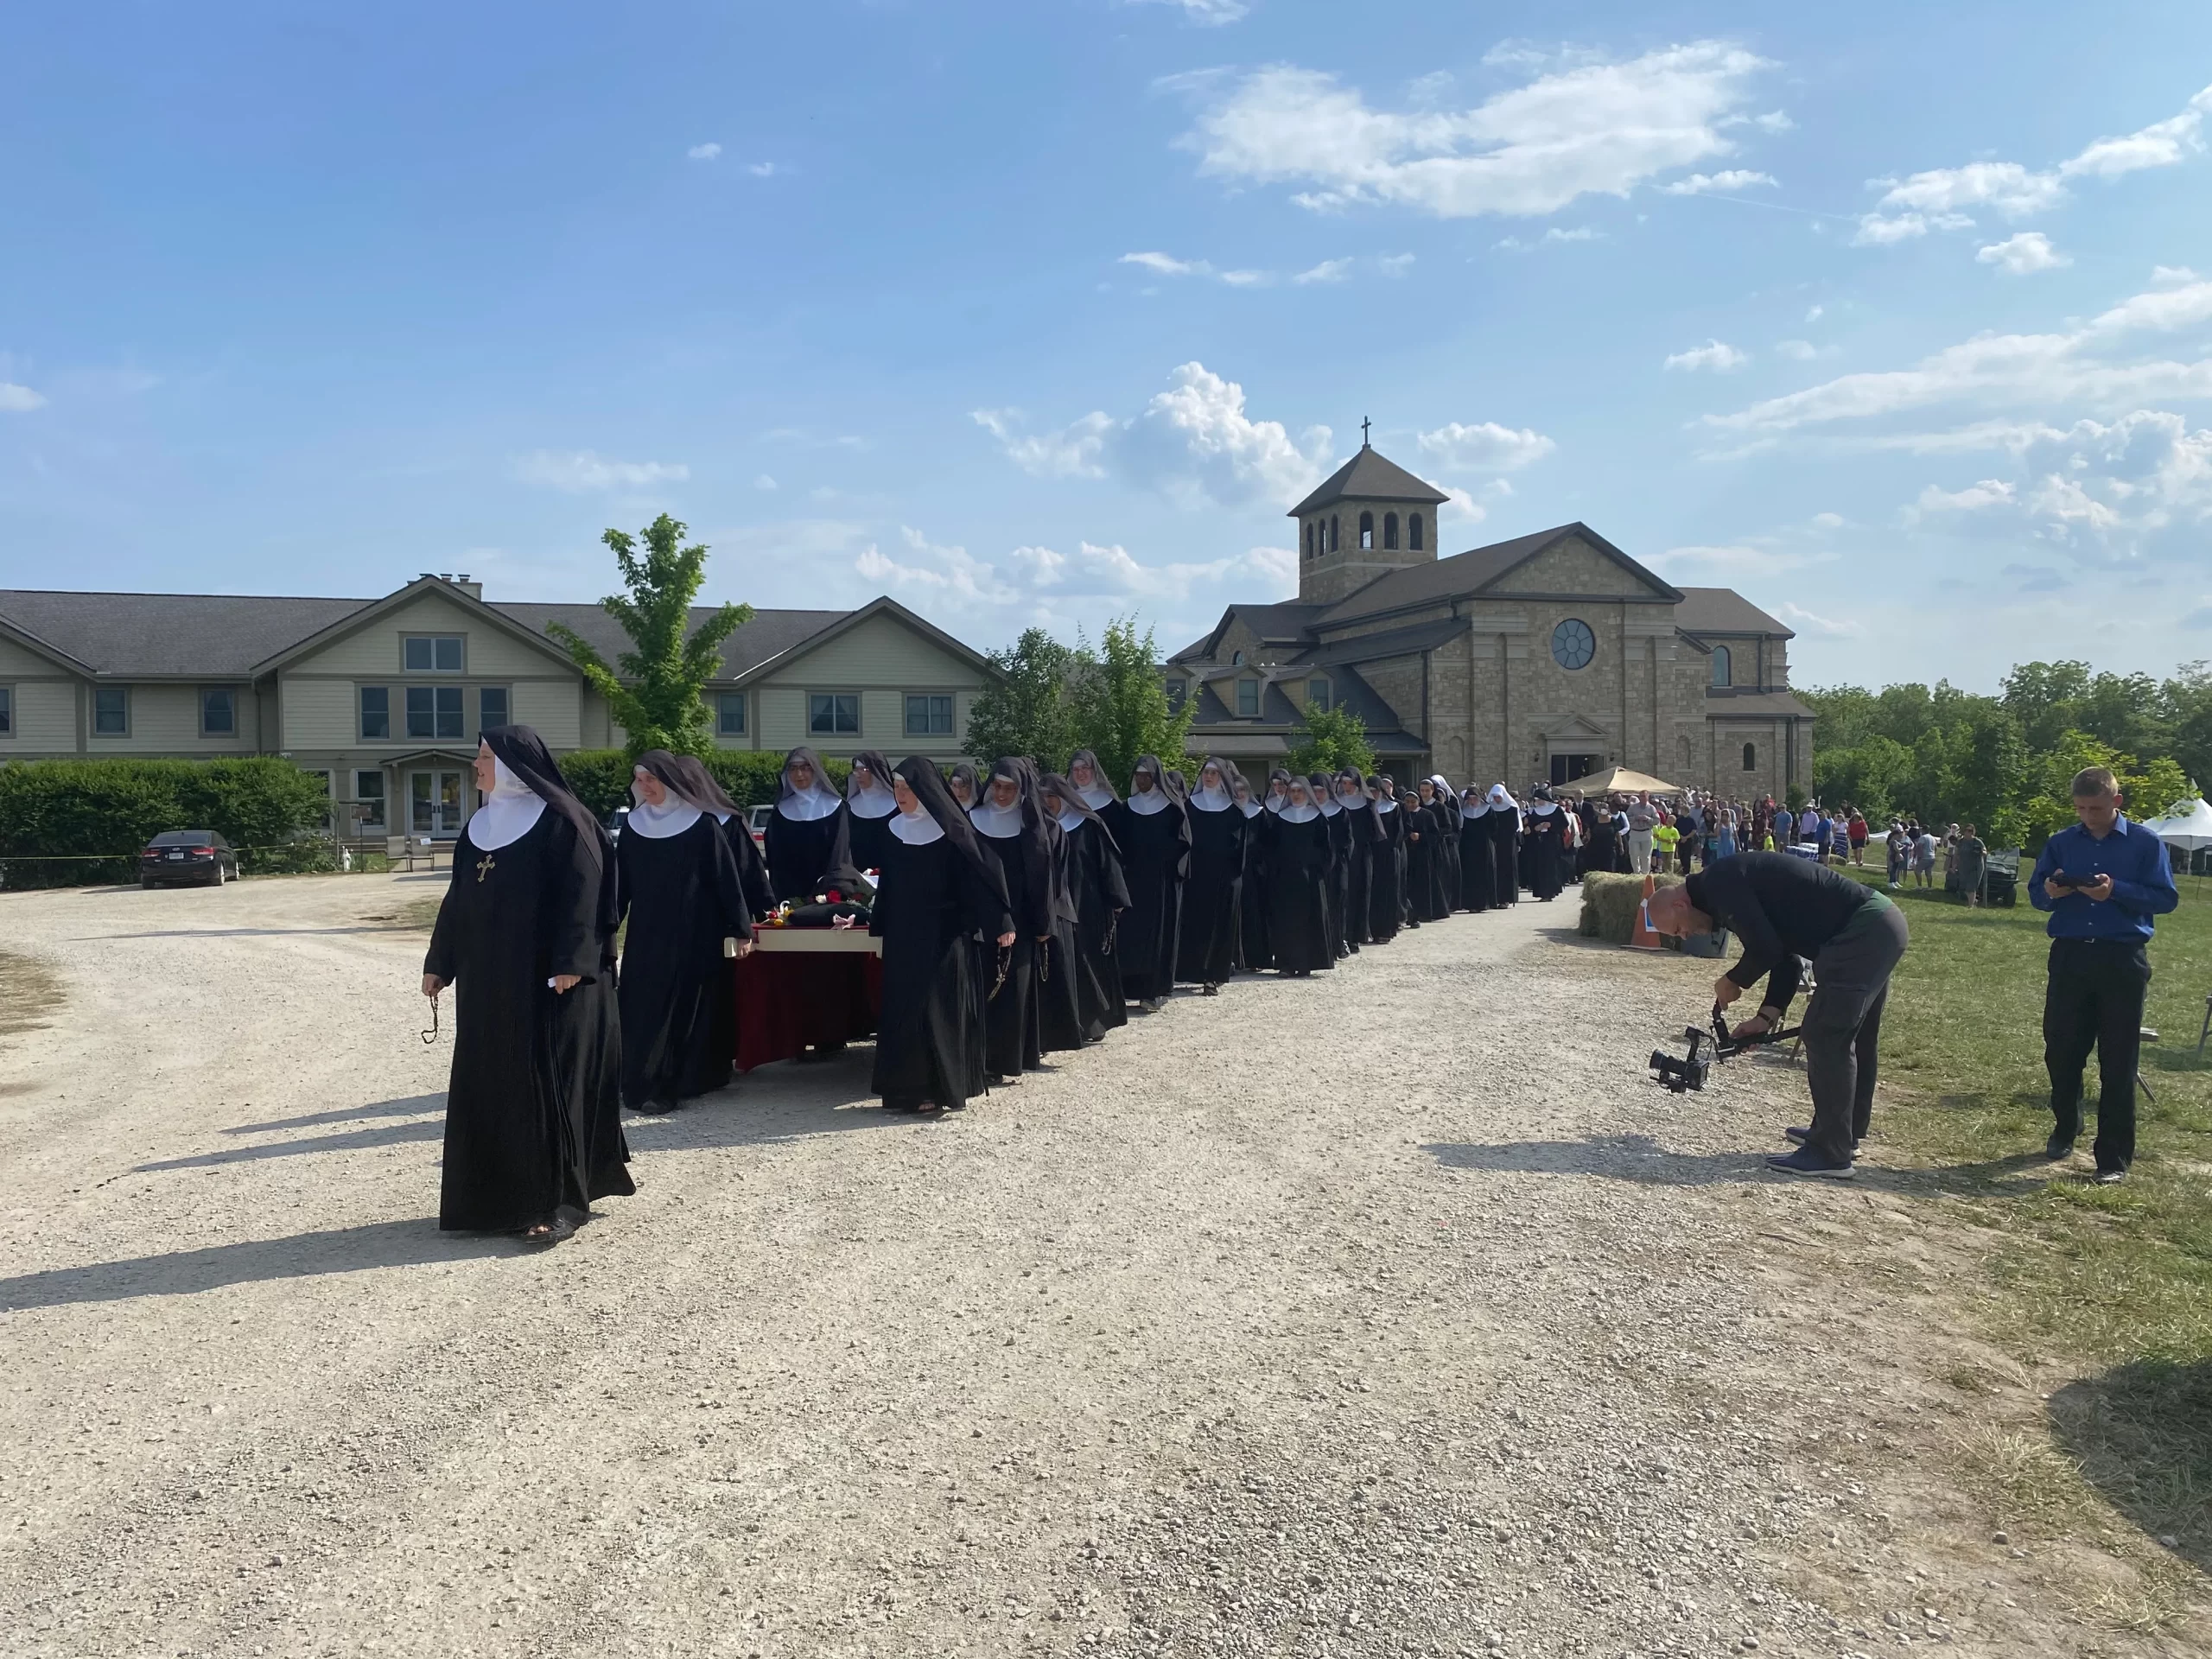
2102	881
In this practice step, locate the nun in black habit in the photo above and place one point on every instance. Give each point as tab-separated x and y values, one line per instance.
1012	825
1446	808
1060	1011
941	913
966	785
1253	952
1547	848
698	784
1094	867
868	806
679	889
1332	897
1477	869
1298	920
1386	906
1504	846
809	851
1207	950
1154	832
1364	836
526	936
1425	855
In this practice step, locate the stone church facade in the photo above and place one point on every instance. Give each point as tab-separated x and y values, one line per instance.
1538	659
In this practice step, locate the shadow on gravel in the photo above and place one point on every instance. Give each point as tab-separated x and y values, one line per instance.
186	1273
2142	1436
1640	1158
242	932
411	1106
391	1134
788	1101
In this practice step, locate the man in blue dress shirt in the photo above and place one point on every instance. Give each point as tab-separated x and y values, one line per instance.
2102	881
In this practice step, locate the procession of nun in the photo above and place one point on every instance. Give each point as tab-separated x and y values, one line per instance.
1019	914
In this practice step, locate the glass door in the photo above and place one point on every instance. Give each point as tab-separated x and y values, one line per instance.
434	803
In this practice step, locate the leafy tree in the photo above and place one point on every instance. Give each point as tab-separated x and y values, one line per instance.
1120	703
2150	786
1032	710
1328	741
663	706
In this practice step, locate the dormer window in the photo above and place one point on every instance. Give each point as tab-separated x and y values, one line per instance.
1367	530
1248	698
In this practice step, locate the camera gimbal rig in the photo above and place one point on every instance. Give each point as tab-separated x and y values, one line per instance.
1690	1071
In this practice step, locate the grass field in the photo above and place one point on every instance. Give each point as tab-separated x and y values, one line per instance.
2118	1279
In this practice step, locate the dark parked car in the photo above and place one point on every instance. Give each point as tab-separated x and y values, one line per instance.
200	857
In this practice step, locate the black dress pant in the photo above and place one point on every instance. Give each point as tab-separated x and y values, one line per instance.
2094	998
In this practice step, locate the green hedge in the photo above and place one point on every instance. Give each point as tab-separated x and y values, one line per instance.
53	813
601	777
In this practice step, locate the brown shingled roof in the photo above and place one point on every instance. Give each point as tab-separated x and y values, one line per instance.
1722	610
1369	476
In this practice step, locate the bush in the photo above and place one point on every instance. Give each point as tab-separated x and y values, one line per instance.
81	821
1609	902
601	777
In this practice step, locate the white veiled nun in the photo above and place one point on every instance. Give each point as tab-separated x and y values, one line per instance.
508	813
672	816
876	800
916	827
1299	807
817	801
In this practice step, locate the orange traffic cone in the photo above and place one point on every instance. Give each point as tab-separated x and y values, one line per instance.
1640	936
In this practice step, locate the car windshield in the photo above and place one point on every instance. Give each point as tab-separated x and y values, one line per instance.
184	838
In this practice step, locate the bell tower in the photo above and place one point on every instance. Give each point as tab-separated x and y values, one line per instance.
1370	517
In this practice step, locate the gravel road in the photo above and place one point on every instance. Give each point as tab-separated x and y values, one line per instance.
1389	1312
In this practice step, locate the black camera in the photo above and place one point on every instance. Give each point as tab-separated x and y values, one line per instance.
1689	1072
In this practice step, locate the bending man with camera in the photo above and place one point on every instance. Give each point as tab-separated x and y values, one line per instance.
1782	908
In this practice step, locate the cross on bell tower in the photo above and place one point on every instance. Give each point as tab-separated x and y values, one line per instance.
1363	424
1368	518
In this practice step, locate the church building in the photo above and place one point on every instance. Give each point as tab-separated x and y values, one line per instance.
1543	658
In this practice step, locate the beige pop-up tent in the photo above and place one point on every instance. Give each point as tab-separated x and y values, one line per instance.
1619	780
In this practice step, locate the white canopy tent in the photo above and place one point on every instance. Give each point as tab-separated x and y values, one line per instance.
2187	824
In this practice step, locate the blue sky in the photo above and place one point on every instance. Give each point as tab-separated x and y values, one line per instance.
1900	320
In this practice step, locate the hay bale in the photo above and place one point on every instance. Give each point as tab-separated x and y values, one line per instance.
1609	903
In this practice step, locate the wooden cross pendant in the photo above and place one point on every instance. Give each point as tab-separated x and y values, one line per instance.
484	867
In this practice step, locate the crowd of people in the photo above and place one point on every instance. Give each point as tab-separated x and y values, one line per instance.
1021	912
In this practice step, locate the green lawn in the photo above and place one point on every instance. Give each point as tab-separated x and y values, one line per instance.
2117	1278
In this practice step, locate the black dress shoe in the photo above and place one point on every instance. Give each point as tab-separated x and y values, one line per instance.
2058	1148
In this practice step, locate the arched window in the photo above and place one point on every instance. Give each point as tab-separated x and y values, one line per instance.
1236	659
1309	538
1367	530
1333	527
1389	530
1412	532
1723	671
1751	757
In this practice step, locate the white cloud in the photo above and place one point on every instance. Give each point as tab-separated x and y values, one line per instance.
18	400
1193	441
1990	492
2030	251
2172	276
1329	270
1036	583
578	470
2108	492
1485	447
1579	233
1394	265
762	169
1827	520
1875	231
1773	121
2038	369
1806	622
1735	561
704	152
1814	313
1699	184
1579	129
764	482
1167	266
1714	354
1460	506
1800	350
2014	191
1210	14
